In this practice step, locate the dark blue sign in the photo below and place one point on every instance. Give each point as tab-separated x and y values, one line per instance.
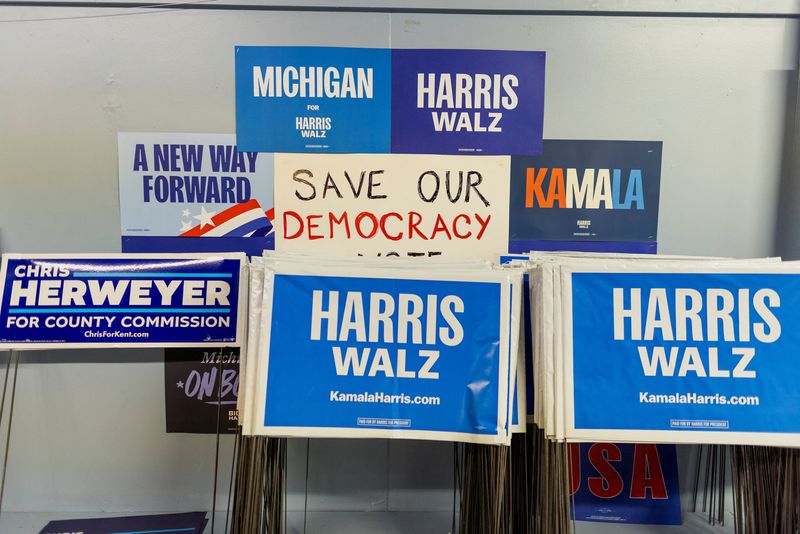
252	246
467	102
586	191
114	300
201	388
187	523
410	356
309	99
683	352
622	247
625	483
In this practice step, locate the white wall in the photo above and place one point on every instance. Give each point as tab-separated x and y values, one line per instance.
89	426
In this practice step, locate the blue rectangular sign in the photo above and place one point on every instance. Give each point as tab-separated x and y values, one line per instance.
186	523
467	102
625	483
586	191
312	99
683	352
120	300
193	192
519	246
393	354
378	100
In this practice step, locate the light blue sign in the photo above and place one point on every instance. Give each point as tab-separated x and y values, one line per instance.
313	99
190	192
403	355
686	352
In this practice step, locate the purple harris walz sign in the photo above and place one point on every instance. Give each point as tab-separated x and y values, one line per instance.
467	102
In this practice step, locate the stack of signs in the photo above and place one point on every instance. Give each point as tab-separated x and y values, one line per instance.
177	191
122	300
377	100
613	483
684	350
403	349
187	523
526	333
597	196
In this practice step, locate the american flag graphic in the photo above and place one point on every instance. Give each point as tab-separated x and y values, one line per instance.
247	219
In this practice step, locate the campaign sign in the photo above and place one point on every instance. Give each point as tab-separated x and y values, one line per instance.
467	102
380	357
586	191
527	333
682	356
201	385
391	204
312	99
177	191
186	523
624	483
67	301
621	247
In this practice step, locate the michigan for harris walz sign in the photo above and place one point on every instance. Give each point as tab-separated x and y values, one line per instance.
369	100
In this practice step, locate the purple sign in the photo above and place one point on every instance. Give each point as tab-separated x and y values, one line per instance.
187	523
467	102
201	385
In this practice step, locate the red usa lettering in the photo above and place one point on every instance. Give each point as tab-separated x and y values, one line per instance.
647	476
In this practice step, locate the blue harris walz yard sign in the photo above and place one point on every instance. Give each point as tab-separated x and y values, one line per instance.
687	356
58	301
372	356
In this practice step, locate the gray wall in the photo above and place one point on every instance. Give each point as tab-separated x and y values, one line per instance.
89	426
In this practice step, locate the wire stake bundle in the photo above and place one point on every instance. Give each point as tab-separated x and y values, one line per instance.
766	489
259	491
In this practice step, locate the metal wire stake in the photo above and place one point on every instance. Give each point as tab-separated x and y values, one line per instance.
305	502
8	433
230	485
216	454
9	355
